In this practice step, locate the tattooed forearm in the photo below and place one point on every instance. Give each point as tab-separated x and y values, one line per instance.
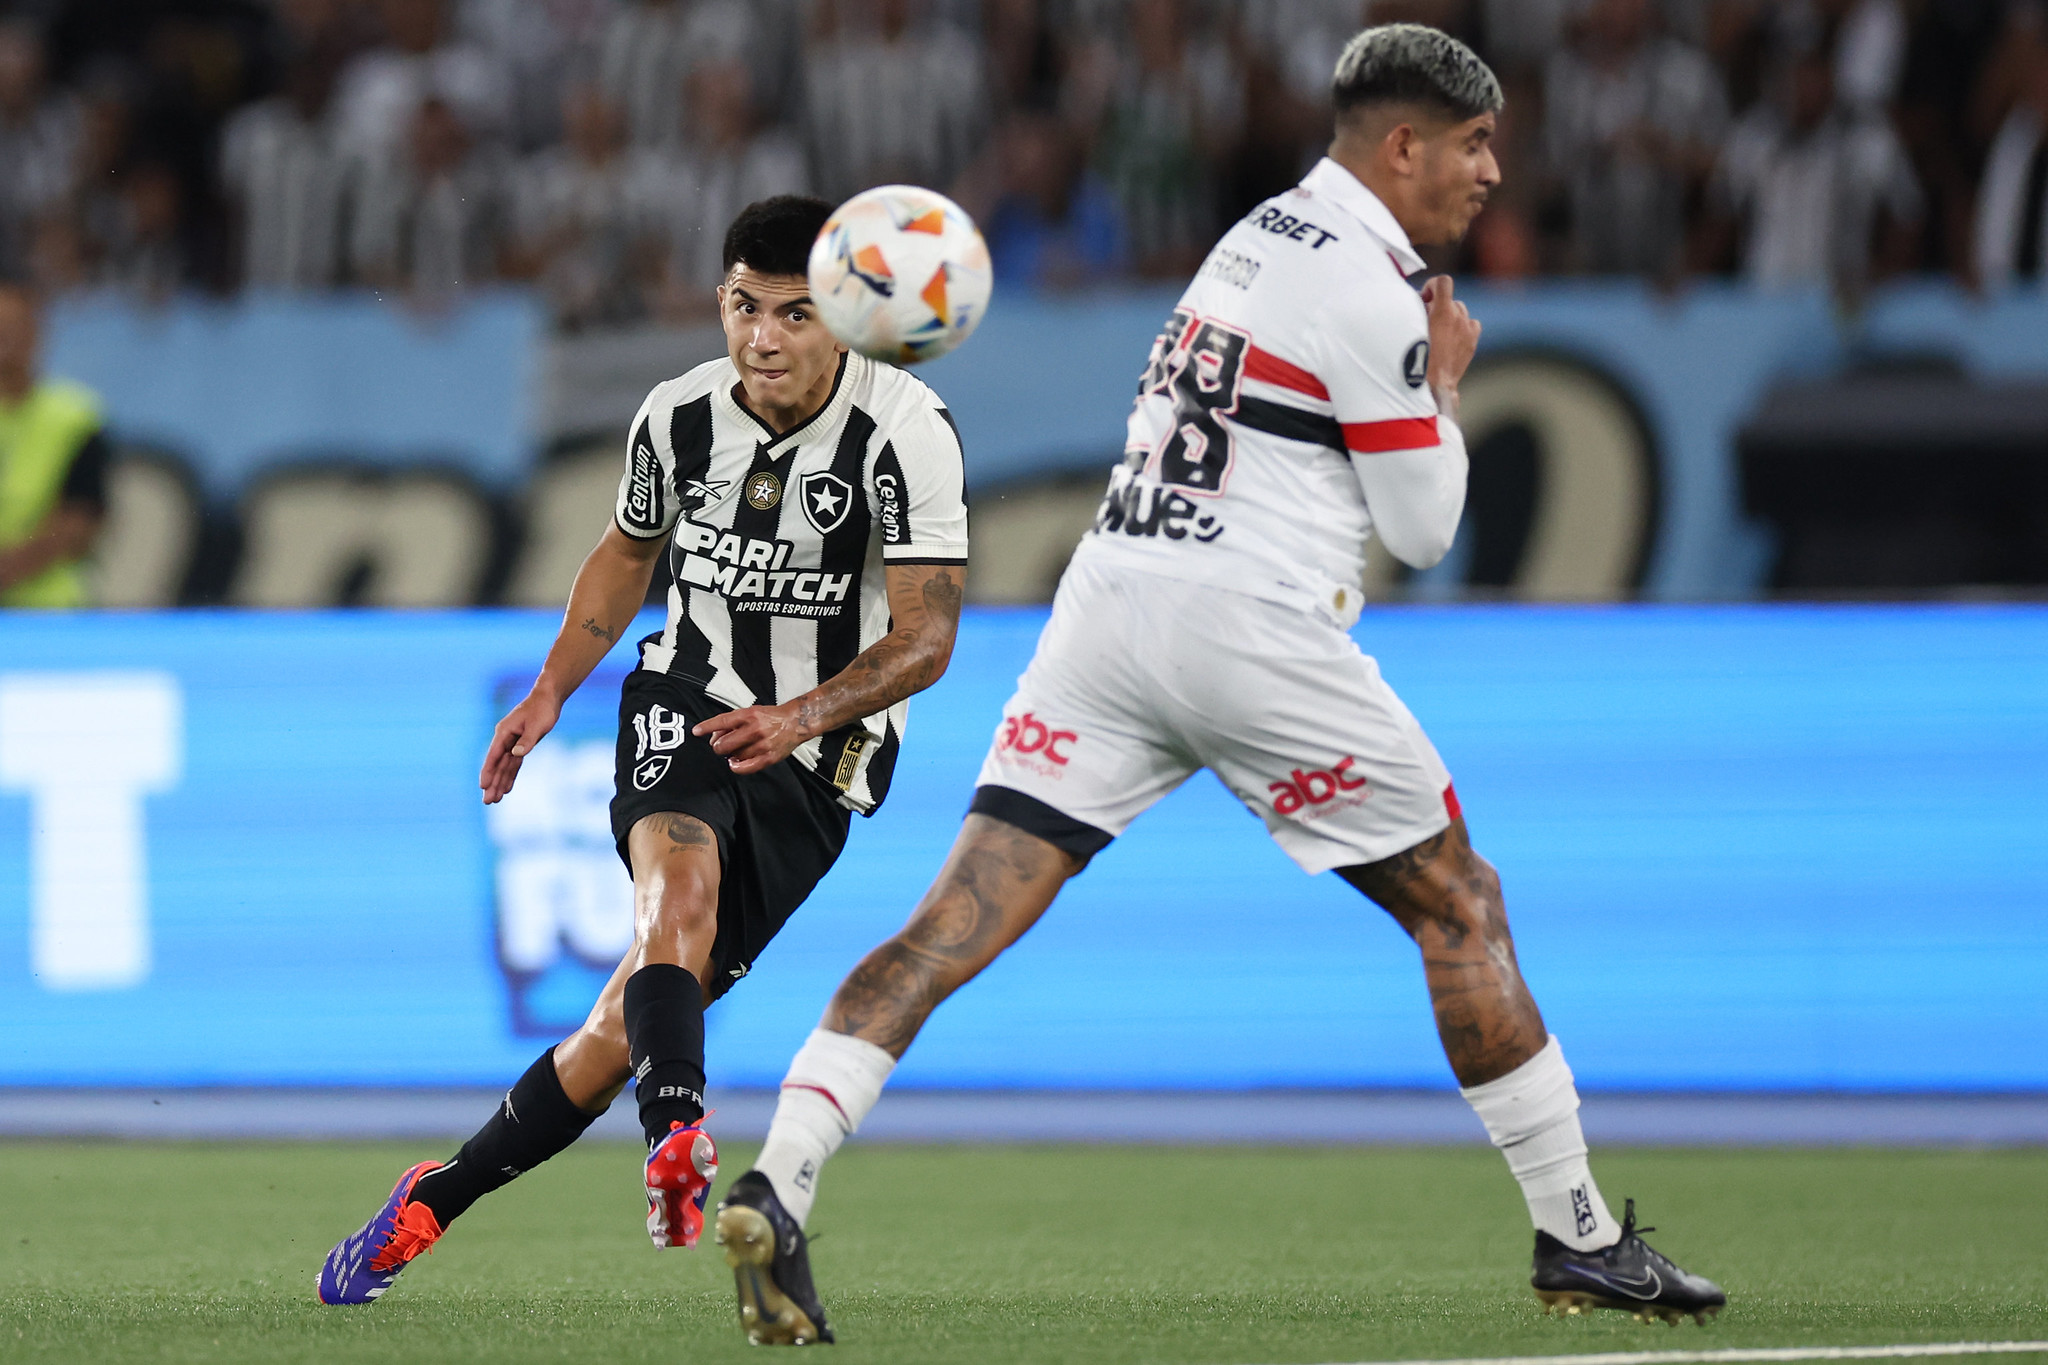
603	633
942	593
910	658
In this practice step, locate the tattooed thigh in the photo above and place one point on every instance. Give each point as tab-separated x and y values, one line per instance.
676	871
684	832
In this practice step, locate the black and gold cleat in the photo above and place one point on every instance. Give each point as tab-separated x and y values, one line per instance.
771	1266
1628	1276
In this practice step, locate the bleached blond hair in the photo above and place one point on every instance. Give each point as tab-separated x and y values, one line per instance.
1414	64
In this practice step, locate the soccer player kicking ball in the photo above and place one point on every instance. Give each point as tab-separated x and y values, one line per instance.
812	505
1301	397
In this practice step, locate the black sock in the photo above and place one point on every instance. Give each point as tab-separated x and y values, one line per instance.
535	1121
665	1044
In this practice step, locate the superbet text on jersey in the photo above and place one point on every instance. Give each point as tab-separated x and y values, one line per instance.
1299	345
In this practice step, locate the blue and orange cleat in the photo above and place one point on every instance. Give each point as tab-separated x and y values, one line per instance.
680	1170
363	1265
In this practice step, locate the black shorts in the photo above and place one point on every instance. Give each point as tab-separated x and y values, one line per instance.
779	831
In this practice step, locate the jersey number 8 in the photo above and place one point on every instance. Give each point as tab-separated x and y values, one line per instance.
1198	363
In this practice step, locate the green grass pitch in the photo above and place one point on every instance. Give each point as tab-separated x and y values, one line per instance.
206	1252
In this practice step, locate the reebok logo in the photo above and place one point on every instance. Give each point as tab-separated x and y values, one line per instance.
1318	787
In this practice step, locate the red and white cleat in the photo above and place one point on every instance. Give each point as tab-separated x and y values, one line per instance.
680	1170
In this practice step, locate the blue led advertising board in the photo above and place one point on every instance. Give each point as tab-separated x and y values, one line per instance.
1743	847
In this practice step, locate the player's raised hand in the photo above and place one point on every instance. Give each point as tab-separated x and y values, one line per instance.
753	737
1453	336
523	727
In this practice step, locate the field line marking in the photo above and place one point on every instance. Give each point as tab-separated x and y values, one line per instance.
1932	1348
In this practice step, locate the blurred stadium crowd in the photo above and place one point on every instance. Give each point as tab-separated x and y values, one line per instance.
157	155
597	147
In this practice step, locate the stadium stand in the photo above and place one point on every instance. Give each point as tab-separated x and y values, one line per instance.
199	176
324	537
152	535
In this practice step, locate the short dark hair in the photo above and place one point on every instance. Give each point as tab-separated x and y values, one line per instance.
774	236
1414	64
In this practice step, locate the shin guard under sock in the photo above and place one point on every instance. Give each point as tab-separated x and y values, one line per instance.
1532	1115
664	1011
832	1084
535	1121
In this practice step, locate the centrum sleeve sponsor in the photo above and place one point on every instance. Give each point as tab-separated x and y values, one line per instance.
643	501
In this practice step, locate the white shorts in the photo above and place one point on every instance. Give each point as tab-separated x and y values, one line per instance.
1139	680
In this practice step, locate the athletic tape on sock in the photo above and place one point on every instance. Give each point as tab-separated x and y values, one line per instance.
1532	1115
1534	1096
850	1070
833	1082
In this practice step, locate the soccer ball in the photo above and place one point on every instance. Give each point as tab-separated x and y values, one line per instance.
900	274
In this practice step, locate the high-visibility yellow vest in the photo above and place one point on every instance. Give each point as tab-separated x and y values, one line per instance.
39	437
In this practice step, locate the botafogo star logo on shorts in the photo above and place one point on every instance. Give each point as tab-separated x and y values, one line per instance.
650	772
827	499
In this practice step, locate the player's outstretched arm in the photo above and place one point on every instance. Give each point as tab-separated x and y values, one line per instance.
609	589
924	610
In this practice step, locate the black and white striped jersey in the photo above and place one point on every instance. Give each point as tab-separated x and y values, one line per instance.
779	542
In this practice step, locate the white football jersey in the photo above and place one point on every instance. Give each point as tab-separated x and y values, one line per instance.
1299	346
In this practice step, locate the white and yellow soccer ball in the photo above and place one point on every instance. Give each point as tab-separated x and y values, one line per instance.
900	273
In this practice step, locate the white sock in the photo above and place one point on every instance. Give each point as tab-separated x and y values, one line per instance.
833	1081
1532	1115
